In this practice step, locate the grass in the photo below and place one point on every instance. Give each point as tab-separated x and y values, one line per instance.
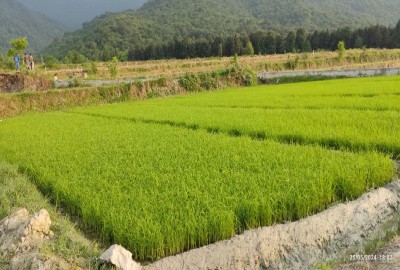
161	190
371	247
68	243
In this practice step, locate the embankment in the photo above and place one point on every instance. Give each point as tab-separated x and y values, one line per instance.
58	99
342	230
14	83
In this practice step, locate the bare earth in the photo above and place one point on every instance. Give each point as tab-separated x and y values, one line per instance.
331	235
387	258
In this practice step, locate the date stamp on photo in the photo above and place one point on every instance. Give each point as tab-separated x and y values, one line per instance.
371	257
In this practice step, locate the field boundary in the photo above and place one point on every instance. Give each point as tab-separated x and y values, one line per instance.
337	232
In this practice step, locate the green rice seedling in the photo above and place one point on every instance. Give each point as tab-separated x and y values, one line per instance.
355	114
340	129
159	189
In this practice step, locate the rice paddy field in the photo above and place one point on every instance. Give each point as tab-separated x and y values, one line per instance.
166	175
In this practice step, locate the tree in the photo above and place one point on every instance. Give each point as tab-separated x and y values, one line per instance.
302	42
341	49
290	42
280	44
17	46
237	45
396	36
315	41
235	61
248	50
270	43
358	42
93	68
50	61
256	41
74	57
113	67
218	46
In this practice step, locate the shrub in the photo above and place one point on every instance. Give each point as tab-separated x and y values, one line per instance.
190	82
50	61
113	68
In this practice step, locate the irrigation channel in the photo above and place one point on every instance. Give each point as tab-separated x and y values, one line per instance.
349	73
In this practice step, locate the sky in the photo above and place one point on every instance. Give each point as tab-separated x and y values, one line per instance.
72	13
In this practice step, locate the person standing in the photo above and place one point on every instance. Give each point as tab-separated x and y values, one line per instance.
16	60
31	63
26	61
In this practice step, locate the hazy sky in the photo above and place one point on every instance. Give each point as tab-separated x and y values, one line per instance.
72	13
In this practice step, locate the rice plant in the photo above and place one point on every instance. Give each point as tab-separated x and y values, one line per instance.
161	189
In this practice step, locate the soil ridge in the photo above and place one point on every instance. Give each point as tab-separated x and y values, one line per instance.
338	231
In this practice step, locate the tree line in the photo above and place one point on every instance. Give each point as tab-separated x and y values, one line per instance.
268	42
260	42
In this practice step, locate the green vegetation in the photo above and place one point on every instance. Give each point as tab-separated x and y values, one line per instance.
203	28
113	68
166	175
341	49
259	42
362	115
17	46
17	191
197	189
16	21
18	103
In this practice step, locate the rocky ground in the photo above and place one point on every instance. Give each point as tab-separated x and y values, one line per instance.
21	237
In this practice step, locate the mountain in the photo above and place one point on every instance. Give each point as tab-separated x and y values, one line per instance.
164	20
157	21
321	14
17	21
73	13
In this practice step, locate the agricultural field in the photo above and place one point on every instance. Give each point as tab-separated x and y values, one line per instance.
362	115
165	175
173	68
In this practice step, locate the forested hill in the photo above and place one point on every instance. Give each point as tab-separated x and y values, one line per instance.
157	21
160	21
73	13
17	21
323	14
